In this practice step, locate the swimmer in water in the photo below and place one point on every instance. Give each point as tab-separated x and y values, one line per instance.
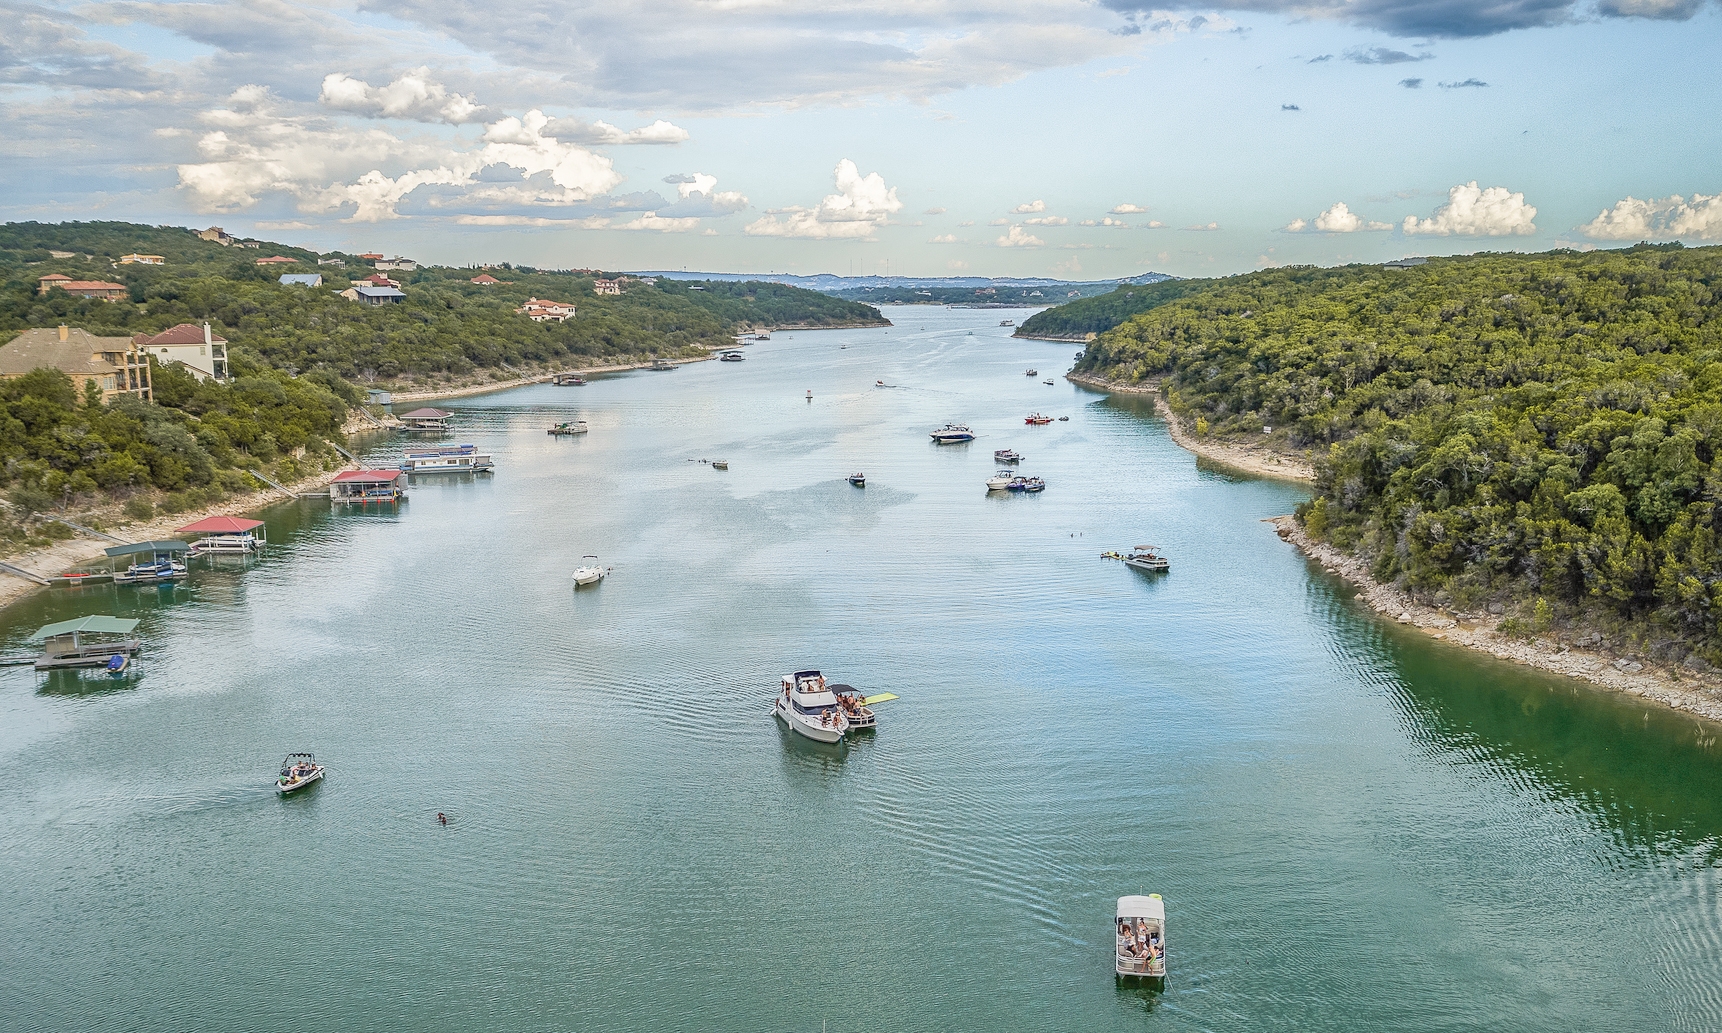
441	817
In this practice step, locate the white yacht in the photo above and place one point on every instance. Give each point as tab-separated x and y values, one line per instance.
298	771
1000	481
952	433
810	708
589	573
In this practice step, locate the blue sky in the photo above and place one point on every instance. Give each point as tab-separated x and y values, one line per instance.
1062	137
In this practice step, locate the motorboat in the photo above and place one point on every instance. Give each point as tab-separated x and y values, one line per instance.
589	573
953	433
1064	419
1007	322
763	335
147	573
298	770
1037	419
1048	381
858	479
451	459
720	464
1017	484
878	383
567	428
858	708
1031	373
732	357
1147	557
1000	481
1007	455
1033	484
809	707
1139	935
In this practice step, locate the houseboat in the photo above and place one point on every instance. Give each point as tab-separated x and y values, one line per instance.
1139	933
568	380
662	364
425	420
953	433
568	428
152	562
452	459
367	486
87	642
1007	455
732	357
225	534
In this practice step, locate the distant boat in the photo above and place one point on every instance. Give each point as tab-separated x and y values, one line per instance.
1033	484
810	394
1048	380
763	335
662	364
589	573
1037	419
1147	557
1000	481
1007	322
449	459
568	427
298	771
858	479
1064	419
720	464
953	433
1007	455
878	383
1031	373
731	357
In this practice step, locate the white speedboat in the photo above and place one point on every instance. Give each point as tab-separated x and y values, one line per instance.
952	433
1000	481
1147	557
810	708
589	573
858	479
1139	934
298	771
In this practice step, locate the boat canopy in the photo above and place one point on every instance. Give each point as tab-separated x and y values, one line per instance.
147	547
1150	906
798	675
221	525
95	624
1146	548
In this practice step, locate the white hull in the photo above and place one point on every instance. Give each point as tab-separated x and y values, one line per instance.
810	729
316	775
583	578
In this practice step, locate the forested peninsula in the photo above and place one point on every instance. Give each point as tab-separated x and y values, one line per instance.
1539	435
300	356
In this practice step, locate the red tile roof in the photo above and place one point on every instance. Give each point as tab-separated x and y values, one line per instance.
184	333
368	476
485	278
277	260
221	525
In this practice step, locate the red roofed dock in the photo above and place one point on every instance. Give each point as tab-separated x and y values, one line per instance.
225	534
367	486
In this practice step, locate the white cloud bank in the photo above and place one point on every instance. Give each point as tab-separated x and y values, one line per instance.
1337	219
1667	219
1471	211
861	205
1128	209
1016	236
413	96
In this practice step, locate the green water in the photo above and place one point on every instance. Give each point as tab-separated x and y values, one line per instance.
1353	827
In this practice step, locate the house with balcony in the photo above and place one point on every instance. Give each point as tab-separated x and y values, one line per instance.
201	351
115	364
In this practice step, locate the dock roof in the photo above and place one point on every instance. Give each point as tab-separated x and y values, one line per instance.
221	525
425	414
150	547
368	476
97	623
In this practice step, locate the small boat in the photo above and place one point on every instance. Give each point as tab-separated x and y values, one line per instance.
809	707
878	383
1147	557
118	663
146	573
662	364
1007	455
720	464
1033	484
1017	484
763	335
590	573
857	708
564	429
1048	381
1139	934
952	433
1064	419
298	770
1000	481
1007	322
1031	373
1037	419
858	479
732	357
810	394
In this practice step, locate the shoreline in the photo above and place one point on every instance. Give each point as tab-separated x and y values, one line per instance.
1251	459
1688	693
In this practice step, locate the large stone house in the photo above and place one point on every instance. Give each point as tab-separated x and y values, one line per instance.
115	364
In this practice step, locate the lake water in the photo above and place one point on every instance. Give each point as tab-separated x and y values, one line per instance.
1353	827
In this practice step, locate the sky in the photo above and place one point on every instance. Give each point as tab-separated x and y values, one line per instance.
1084	139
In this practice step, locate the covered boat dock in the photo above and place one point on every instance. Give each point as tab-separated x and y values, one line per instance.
93	641
425	419
150	562
225	534
367	486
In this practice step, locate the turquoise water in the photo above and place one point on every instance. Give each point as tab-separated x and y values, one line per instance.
1353	827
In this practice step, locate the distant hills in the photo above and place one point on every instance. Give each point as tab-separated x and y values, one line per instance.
934	290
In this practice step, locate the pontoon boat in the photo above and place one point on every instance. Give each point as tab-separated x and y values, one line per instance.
1037	419
810	708
1147	557
1139	933
1007	455
298	771
568	427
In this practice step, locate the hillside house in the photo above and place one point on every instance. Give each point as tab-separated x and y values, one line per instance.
378	280
101	290
202	352
405	265
371	295
114	364
371	258
216	235
142	260
485	279
331	261
602	287
546	311
277	260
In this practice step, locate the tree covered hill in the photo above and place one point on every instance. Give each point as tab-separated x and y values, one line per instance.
1077	319
1546	428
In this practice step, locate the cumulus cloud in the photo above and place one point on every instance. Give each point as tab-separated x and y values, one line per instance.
1472	211
1670	218
861	205
653	221
1411	84
697	194
1200	228
1337	219
944	238
1016	236
1048	220
1128	209
934	211
1383	56
601	133
1109	222
1029	208
414	96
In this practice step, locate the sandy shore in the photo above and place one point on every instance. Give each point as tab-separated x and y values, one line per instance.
1255	459
1633	675
487	386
